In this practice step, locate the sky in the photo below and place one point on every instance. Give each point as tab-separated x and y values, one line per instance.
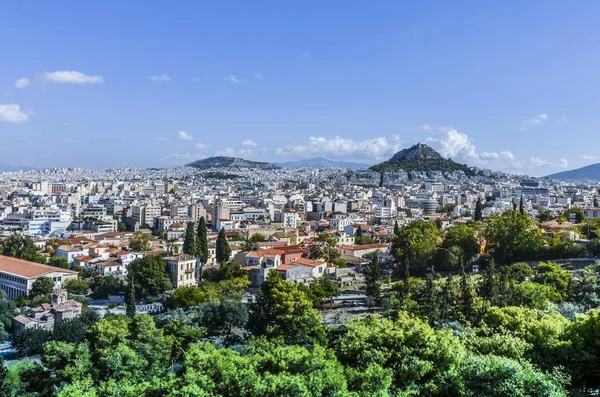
510	85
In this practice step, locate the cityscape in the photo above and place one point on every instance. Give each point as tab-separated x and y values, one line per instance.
318	222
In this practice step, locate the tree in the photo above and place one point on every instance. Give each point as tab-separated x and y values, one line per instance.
478	211
283	309
462	236
521	207
545	216
61	262
42	286
325	248
104	286
466	295
489	287
76	287
7	312
429	301
130	299
373	279
396	228
416	244
18	246
321	289
584	354
189	243
31	341
513	237
5	390
150	275
596	202
202	244
140	242
223	251
358	236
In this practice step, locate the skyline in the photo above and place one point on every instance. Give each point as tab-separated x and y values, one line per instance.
498	86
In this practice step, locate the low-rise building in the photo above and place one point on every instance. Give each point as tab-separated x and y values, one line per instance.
50	314
17	275
184	270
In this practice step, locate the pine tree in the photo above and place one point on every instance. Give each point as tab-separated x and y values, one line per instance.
447	303
189	243
130	300
373	279
466	294
223	252
478	211
358	236
521	208
202	244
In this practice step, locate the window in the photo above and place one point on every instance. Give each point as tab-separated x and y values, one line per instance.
320	270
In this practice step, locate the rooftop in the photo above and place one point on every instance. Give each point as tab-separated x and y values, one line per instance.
23	268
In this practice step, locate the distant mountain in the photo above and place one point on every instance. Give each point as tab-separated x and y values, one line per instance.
320	162
12	168
420	157
587	172
230	162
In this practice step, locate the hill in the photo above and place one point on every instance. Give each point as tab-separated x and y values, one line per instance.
320	162
420	157
230	162
588	172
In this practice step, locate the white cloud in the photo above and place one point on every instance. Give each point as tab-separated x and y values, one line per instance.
367	149
232	79
539	162
22	82
233	152
249	142
458	145
159	78
563	118
181	156
258	75
184	136
588	157
13	114
426	127
71	77
160	138
539	119
201	146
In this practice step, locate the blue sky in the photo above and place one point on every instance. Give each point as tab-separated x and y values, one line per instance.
505	85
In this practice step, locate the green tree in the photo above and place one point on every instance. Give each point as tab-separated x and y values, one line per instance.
552	274
5	390
462	236
478	211
130	299
76	287
325	248
283	309
57	261
103	286
584	354
222	251
150	275
42	286
189	243
488	289
202	244
31	341
429	299
595	202
321	289
466	295
521	207
140	242
416	244
358	236
545	216
18	246
373	279
513	237
7	312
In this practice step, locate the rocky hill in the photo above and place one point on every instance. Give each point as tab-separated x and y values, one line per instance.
421	157
230	162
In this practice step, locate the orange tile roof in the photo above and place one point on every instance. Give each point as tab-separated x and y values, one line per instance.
27	269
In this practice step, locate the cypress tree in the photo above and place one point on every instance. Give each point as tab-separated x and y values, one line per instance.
521	209
373	279
202	244
189	243
396	228
447	299
406	276
130	300
478	210
223	252
358	236
430	305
